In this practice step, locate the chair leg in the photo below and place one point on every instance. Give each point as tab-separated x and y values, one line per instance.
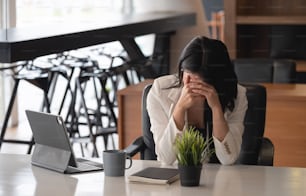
7	116
8	112
79	87
47	103
113	141
95	152
108	102
52	85
82	150
31	145
68	87
105	139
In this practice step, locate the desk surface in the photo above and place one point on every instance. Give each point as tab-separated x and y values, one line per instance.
30	42
18	177
286	91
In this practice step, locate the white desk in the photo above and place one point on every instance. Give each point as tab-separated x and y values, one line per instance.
18	177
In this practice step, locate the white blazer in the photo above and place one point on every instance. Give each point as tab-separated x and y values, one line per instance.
160	105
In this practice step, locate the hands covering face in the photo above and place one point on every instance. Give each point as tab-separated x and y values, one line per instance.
195	91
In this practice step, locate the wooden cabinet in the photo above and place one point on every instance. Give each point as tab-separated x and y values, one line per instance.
249	25
285	123
254	29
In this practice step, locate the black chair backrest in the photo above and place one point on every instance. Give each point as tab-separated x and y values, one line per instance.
149	150
259	70
250	70
254	126
284	71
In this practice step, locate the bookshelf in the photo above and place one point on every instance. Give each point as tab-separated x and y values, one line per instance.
249	24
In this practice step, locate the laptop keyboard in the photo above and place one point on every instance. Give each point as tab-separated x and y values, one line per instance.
87	167
84	165
88	162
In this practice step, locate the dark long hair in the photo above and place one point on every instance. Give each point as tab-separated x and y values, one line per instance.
210	59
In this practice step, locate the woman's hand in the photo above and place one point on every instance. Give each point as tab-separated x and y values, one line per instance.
207	91
189	97
220	128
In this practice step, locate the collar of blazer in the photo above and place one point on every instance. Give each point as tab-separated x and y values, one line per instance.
174	94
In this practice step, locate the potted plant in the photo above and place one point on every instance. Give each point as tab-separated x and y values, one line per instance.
192	150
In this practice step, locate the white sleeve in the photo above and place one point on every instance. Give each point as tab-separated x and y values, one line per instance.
162	126
228	150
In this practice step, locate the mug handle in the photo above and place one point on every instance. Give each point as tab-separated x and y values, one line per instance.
130	165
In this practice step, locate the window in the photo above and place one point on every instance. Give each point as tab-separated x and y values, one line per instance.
37	12
25	13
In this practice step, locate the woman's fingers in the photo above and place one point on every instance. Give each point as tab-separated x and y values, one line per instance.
200	90
205	90
188	97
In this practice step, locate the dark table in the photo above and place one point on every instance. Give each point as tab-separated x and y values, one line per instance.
27	43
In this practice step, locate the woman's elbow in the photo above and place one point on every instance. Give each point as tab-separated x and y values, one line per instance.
229	161
166	158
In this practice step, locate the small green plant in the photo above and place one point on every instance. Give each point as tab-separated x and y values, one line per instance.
191	148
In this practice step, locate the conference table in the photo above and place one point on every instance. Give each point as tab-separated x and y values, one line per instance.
19	177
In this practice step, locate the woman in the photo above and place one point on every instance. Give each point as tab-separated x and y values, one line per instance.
205	94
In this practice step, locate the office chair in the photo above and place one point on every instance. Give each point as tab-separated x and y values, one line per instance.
255	149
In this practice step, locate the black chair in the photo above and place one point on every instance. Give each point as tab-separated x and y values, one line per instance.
42	78
255	149
98	114
267	70
83	115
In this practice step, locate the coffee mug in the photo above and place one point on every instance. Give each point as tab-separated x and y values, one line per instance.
114	162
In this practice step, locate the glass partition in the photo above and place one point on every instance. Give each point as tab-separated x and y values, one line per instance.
43	12
7	18
3	37
3	19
